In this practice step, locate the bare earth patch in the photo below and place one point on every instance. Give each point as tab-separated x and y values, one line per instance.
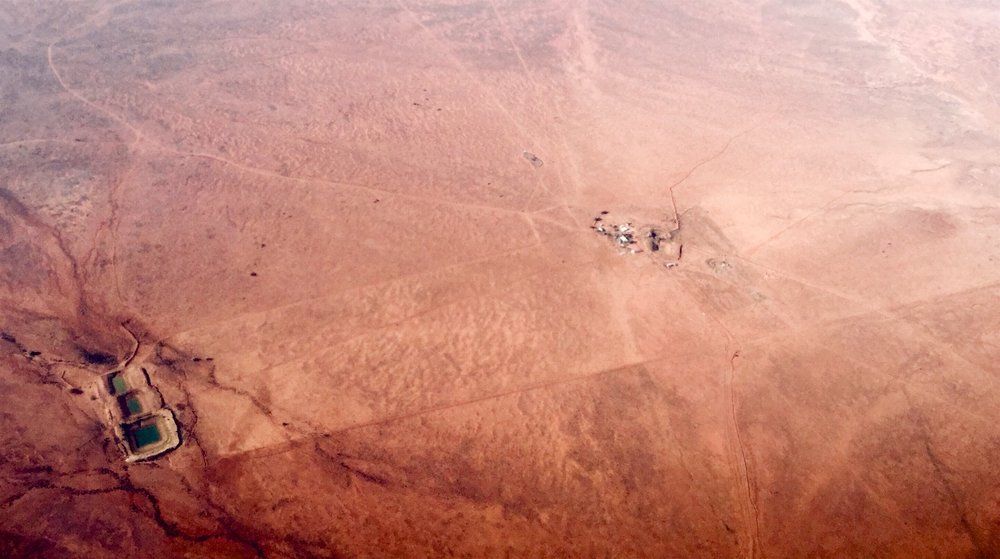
500	279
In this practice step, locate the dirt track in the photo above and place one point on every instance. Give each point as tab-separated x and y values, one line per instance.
352	244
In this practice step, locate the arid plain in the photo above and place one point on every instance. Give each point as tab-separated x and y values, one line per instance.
353	244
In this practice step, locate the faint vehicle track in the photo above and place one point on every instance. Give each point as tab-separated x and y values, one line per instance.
738	461
140	138
26	141
744	468
316	429
889	313
818	211
676	184
567	153
111	224
370	189
111	114
284	447
472	79
341	292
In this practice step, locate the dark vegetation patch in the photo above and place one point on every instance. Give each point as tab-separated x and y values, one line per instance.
98	357
533	159
17	545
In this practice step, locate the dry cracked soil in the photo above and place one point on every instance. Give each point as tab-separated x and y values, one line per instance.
351	243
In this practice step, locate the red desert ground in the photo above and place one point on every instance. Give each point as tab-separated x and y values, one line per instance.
562	278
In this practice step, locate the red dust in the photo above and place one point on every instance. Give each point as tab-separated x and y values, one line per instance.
352	244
